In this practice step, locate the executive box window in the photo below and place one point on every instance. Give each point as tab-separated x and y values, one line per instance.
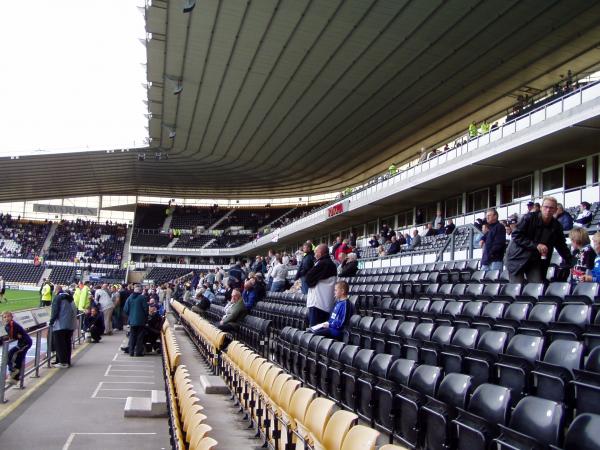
405	218
552	179
478	200
453	206
522	187
575	174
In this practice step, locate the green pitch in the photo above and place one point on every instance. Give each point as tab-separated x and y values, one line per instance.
18	300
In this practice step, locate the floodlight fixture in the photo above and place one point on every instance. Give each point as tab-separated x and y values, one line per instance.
188	5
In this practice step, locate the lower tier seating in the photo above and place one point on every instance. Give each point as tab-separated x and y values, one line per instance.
21	273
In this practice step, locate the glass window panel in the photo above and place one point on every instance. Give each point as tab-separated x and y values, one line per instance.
575	174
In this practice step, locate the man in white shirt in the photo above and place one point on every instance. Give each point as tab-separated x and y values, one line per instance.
103	297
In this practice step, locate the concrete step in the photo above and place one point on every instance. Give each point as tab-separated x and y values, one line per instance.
213	385
155	406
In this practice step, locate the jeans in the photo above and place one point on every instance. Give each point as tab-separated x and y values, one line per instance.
316	315
304	287
277	286
136	340
494	265
16	358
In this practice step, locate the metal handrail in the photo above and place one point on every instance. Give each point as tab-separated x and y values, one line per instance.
38	361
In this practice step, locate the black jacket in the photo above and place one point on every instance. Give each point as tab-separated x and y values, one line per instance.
323	269
525	238
306	264
349	269
494	244
394	248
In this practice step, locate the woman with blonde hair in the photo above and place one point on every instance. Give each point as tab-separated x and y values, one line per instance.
595	273
582	251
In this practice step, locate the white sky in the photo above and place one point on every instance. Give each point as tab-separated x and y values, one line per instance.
71	75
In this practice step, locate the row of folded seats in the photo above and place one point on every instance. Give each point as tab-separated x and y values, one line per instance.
185	418
429	285
252	330
208	338
286	414
465	394
438	296
291	298
281	315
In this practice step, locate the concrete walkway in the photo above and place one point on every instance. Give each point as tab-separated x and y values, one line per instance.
82	407
229	428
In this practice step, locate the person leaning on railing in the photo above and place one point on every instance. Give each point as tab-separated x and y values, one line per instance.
16	355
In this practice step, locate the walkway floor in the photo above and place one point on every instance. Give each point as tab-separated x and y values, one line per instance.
82	407
228	426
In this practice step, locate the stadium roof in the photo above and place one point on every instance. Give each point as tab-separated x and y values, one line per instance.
284	98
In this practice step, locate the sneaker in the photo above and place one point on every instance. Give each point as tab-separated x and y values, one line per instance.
60	366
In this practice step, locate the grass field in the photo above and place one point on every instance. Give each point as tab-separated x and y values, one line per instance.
18	300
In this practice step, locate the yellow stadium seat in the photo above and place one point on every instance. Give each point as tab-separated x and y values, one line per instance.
315	421
336	430
197	434
360	438
207	443
392	447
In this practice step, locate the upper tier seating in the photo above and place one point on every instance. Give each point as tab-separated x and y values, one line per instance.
88	242
190	217
150	216
20	238
21	273
150	238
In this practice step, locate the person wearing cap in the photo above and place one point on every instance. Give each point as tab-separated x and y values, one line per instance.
530	206
585	216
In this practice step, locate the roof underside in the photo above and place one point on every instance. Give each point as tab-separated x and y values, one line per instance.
294	97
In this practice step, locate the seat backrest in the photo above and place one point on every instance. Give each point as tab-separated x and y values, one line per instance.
472	309
287	392
354	320
491	289
459	289
455	389
381	364
592	363
474	289
526	347
465	337
477	276
533	290
432	288
365	323
425	379
543	312
348	354
590	290
390	327
300	401
442	334
335	350
511	289
454	308
575	314
437	307
490	402
305	340
324	345
517	311
337	428
401	371
377	325
493	310
539	418
558	289
491	275
493	342
406	329
422	306
445	288
583	433
363	358
360	437
318	415
567	354
314	343
423	331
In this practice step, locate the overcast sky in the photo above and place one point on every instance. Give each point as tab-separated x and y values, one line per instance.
71	75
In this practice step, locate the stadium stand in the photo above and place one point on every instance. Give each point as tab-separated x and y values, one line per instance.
84	241
21	273
21	239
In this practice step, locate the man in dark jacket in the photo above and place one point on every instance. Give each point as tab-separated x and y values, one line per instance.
350	266
308	261
532	244
152	330
494	242
394	246
320	280
93	323
16	355
136	308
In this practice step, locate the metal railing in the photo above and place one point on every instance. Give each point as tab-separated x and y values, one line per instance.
39	360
